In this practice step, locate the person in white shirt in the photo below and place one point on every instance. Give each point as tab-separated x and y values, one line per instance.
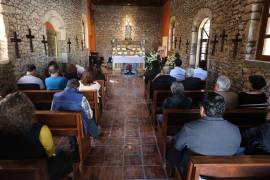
200	72
30	77
178	73
87	82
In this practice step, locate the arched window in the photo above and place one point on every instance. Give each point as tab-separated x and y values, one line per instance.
52	40
172	36
83	35
203	40
263	50
3	42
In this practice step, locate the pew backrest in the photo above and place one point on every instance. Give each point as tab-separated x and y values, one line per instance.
35	169
210	167
102	91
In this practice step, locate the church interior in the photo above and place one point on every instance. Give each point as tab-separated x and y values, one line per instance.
134	89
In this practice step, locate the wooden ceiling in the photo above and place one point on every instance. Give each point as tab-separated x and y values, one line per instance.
129	2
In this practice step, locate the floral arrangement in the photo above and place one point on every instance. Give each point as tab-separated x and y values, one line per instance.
170	61
149	58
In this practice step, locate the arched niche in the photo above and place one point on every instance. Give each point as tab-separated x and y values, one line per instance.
57	22
202	15
4	59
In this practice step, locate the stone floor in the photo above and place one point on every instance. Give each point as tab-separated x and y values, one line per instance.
127	148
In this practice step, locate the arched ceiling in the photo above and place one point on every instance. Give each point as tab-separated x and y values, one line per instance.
130	2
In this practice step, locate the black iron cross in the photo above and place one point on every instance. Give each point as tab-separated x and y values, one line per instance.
235	42
45	42
224	37
187	46
69	43
30	37
180	43
82	44
77	41
214	42
175	42
16	41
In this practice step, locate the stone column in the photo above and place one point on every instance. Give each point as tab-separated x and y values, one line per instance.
194	36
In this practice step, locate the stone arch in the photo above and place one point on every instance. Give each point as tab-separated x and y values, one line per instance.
58	23
4	59
201	15
171	34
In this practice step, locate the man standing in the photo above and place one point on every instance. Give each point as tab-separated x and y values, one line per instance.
30	78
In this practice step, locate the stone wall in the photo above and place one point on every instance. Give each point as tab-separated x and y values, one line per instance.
65	15
111	20
234	16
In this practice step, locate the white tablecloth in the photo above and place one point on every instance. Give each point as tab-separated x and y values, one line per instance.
128	59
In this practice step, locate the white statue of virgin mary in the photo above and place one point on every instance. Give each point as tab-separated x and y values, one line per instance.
128	30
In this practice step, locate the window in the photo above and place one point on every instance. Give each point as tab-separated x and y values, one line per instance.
3	42
52	40
172	37
203	40
263	48
83	35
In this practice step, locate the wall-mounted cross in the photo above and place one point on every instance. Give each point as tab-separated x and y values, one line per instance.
236	41
30	37
187	46
175	43
224	37
69	43
214	42
45	42
16	40
82	44
77	41
180	43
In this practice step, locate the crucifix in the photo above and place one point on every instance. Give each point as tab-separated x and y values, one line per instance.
187	46
77	41
175	42
235	42
45	42
82	44
69	43
16	41
30	37
180	43
224	37
214	42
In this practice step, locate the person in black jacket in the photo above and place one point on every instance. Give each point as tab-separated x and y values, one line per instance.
192	83
152	73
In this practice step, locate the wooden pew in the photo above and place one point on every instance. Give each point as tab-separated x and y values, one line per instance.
66	124
160	96
35	169
102	91
228	167
42	99
174	119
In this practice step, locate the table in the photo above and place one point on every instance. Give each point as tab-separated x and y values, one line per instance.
128	60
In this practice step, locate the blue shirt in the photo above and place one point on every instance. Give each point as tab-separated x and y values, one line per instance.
56	83
178	73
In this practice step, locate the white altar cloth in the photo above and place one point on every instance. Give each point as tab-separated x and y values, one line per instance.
128	60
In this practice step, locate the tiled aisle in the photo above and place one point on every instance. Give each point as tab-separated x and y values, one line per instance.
127	149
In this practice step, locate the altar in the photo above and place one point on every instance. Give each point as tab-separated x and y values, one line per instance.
135	61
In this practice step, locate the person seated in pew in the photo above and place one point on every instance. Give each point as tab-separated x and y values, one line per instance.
178	100
178	72
22	137
31	78
222	87
257	140
201	72
99	73
70	72
55	81
192	83
73	100
88	82
163	80
255	97
210	135
152	73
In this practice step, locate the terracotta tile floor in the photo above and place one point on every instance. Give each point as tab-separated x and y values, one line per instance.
127	148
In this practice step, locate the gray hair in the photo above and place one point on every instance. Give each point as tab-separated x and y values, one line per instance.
190	72
166	70
224	83
177	88
73	83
